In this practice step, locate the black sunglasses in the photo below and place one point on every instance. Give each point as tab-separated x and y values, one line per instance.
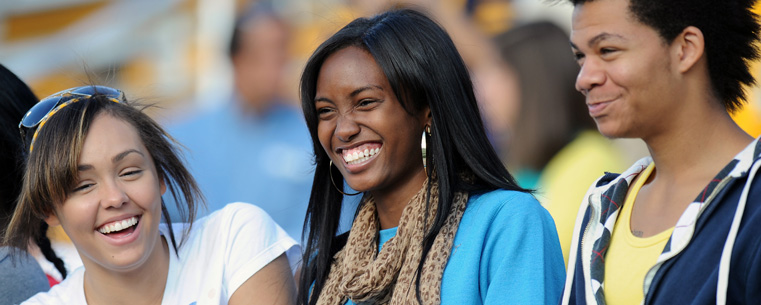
36	117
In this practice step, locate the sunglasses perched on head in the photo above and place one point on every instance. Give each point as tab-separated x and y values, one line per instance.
36	117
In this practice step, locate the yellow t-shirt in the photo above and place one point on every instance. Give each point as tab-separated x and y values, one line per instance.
630	257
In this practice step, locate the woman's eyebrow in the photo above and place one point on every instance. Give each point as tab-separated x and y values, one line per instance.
117	158
365	88
124	154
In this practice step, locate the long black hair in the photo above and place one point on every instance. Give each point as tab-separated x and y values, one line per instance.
15	99
424	69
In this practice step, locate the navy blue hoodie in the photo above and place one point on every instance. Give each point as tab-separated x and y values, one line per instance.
688	270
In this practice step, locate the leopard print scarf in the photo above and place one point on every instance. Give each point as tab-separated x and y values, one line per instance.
360	273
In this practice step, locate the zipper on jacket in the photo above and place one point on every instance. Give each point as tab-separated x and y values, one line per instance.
586	268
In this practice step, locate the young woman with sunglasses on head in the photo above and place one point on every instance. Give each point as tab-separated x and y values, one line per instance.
457	231
98	166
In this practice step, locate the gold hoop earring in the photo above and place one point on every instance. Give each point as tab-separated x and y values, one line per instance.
423	146
330	173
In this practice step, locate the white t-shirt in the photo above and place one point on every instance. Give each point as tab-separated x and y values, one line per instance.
222	251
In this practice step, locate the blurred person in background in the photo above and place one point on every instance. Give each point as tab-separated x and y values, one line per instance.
544	136
22	276
254	147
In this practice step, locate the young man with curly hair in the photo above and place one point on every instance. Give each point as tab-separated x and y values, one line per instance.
680	226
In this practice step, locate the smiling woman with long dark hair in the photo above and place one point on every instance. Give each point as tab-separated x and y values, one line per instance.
442	222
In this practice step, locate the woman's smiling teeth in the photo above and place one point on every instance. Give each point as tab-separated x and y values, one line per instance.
118	225
360	154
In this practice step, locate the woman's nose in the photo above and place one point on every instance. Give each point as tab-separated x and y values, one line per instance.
113	195
346	128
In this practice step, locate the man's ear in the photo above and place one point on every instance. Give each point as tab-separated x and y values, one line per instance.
52	220
688	47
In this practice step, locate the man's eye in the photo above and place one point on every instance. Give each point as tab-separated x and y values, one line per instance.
578	57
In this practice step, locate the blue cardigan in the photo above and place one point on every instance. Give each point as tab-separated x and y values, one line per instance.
506	251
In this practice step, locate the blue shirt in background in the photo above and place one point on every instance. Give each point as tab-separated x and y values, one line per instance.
264	159
21	277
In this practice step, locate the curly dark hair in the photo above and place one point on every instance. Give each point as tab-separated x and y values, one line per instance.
730	29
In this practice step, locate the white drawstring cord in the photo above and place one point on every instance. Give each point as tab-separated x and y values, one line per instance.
726	253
